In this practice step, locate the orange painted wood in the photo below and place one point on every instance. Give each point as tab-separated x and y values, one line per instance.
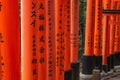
42	40
117	30
98	28
67	21
89	35
112	28
60	45
9	40
106	28
29	59
116	0
50	37
74	30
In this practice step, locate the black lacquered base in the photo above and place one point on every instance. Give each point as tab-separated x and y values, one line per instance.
88	64
117	58
112	61
105	68
98	62
68	75
75	70
108	63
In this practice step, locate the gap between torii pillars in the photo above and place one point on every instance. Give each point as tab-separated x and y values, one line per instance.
74	38
88	57
9	40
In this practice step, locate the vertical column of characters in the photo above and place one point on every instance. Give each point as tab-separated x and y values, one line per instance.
105	42
98	33
29	63
59	39
67	25
74	30
67	21
112	28
74	13
117	37
88	57
50	37
112	34
90	21
10	40
62	38
118	22
41	40
1	58
116	43
1	41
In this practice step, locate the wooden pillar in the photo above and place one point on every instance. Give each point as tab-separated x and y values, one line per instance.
50	37
74	29
88	57
29	59
42	40
98	34
60	46
9	40
105	42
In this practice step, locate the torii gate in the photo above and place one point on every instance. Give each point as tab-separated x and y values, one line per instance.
100	47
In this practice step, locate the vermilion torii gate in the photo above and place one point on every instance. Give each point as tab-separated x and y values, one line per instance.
101	41
49	40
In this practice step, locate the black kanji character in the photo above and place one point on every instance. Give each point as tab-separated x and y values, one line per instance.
33	5
34	41
41	28
50	75
1	38
33	23
41	6
42	39
42	50
33	14
0	6
34	72
41	17
60	21
34	45
42	60
34	61
33	37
